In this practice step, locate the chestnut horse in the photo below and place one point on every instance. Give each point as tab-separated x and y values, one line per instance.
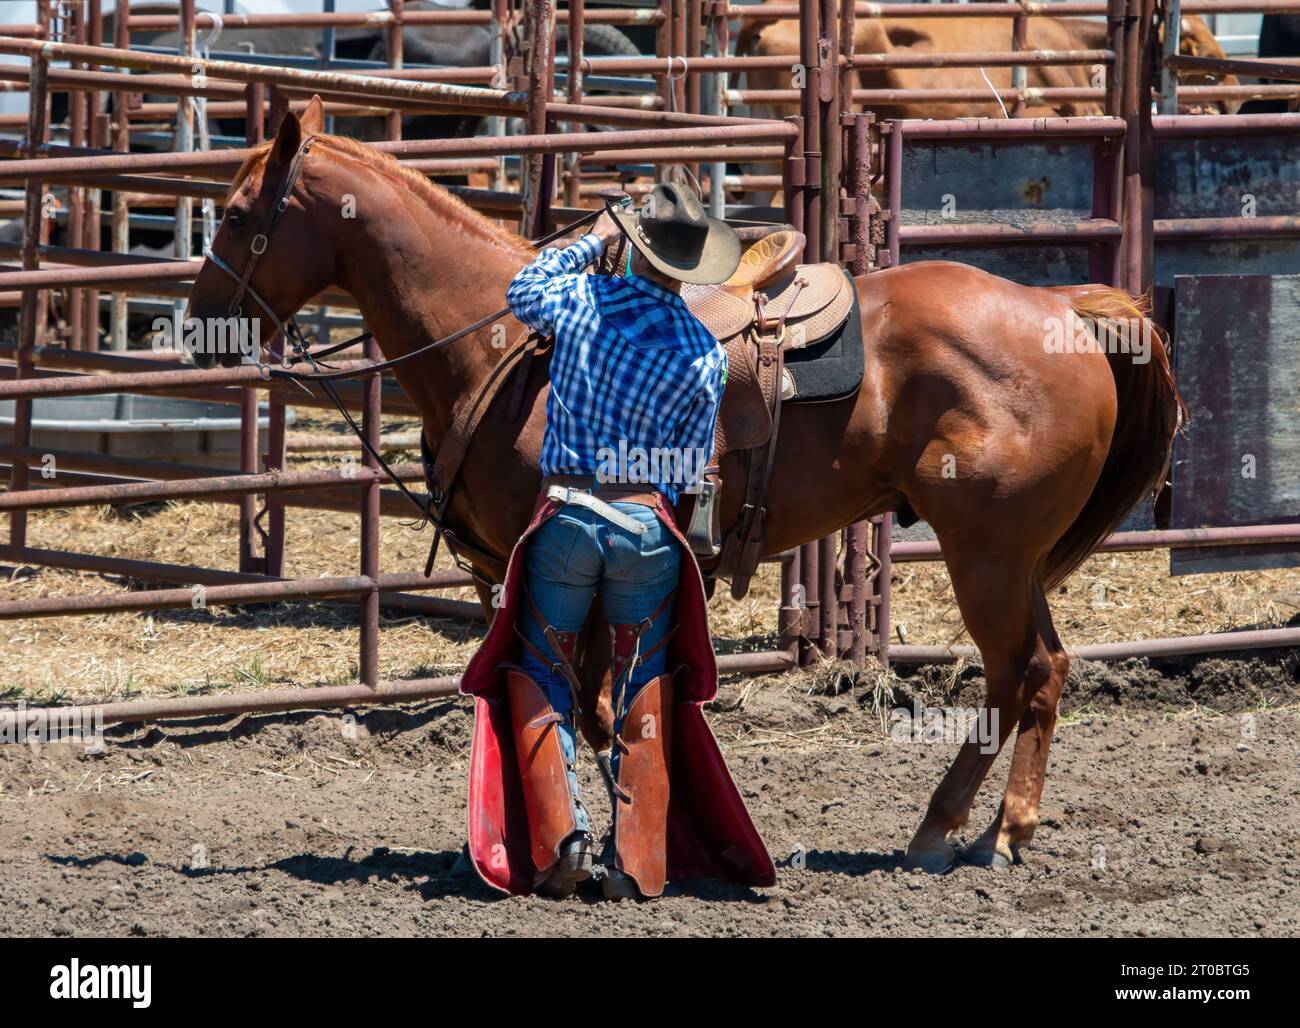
1021	458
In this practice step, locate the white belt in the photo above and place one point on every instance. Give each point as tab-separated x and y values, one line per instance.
611	514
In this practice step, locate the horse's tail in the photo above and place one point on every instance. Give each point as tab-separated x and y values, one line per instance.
1148	413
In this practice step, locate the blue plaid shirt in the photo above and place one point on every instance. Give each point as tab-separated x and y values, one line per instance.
636	379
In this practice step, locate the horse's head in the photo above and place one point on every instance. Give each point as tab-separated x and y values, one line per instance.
268	257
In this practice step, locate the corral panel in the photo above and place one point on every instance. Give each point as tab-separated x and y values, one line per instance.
1238	367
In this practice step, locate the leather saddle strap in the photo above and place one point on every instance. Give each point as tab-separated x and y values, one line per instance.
749	534
451	454
442	469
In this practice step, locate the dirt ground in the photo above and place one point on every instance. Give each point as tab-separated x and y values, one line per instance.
1170	810
1170	804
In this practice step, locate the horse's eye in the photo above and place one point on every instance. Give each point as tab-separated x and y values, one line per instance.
236	219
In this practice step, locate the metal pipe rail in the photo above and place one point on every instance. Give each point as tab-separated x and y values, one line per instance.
381	18
272	701
1028	9
487	101
1179	646
101	162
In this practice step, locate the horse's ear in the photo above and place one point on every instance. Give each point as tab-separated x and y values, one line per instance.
312	119
287	139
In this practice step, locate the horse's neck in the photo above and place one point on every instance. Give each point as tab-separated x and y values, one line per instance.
416	278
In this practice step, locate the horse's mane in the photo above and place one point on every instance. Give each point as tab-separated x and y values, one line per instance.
458	214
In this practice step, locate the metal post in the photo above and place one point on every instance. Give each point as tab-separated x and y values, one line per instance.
38	123
117	323
369	605
1116	29
663	49
272	560
855	570
97	128
393	123
1107	175
831	129
499	55
828	607
1146	140
183	235
1168	77
694	30
78	106
858	539
790	616
540	78
573	91
882	538
715	92
811	112
1019	78
679	50
894	186
810	595
792	176
249	560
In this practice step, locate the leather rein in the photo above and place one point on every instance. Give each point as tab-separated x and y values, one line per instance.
431	507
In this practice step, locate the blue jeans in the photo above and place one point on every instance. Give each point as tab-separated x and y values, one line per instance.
571	558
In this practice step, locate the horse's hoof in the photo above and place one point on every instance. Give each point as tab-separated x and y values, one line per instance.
931	862
990	858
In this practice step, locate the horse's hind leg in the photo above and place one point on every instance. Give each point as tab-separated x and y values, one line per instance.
1017	817
995	592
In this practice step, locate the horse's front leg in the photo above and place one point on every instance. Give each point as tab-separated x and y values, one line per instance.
486	594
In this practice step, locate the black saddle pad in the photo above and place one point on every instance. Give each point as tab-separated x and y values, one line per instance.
832	368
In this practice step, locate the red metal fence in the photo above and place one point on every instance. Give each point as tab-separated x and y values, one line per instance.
829	155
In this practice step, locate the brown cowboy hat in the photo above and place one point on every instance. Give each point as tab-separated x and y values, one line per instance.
672	232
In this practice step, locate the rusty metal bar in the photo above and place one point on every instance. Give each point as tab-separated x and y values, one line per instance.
261	702
1125	542
559	142
271	701
456	96
369	19
32	309
185	489
1177	646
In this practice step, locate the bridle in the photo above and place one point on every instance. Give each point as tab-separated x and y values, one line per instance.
431	509
261	241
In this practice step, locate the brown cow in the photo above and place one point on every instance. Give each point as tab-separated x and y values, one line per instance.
933	35
1194	39
927	35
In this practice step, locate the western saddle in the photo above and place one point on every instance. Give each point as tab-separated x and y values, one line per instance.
770	305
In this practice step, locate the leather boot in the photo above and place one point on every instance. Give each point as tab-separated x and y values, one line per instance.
640	864
561	853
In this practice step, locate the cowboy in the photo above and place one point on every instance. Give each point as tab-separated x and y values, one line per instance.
636	384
